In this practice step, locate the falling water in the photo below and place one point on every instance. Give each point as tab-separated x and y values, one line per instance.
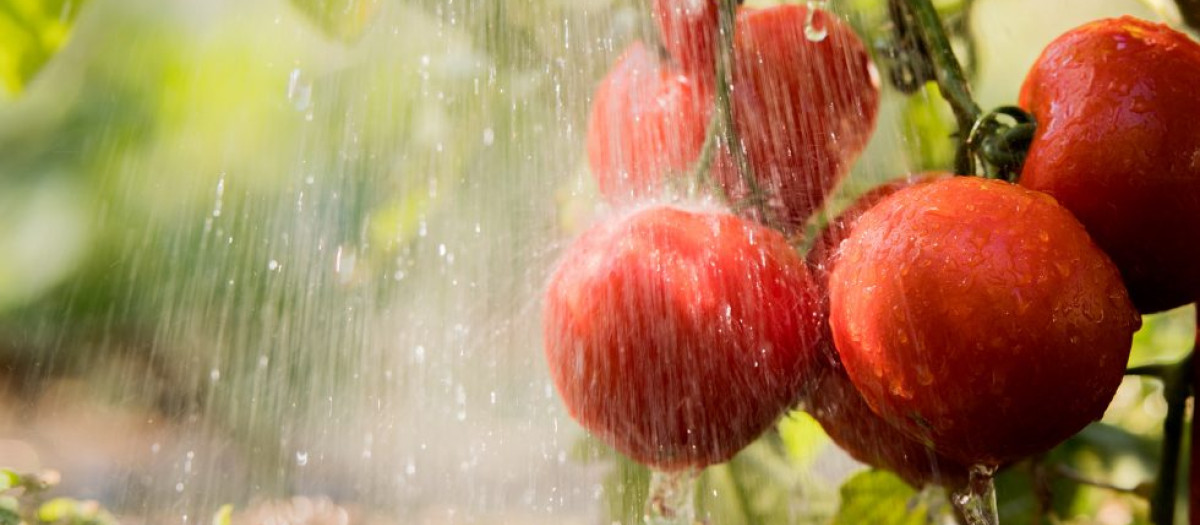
288	256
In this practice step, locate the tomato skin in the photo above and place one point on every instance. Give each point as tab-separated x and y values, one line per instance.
822	256
678	336
841	410
689	32
979	317
835	402
1118	144
648	120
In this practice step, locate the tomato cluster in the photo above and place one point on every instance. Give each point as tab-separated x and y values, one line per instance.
804	107
940	322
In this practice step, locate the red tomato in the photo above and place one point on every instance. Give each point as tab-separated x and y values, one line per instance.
678	336
689	32
835	402
1118	143
979	317
647	121
804	109
821	256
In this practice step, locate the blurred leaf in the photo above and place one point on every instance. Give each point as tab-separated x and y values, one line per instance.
803	438
928	125
224	515
9	479
67	511
31	32
345	20
879	497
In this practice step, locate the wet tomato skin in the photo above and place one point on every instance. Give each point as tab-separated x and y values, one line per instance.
821	256
688	29
648	120
1118	144
979	317
848	420
835	402
679	335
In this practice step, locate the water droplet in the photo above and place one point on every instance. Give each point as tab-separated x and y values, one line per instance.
299	90
814	30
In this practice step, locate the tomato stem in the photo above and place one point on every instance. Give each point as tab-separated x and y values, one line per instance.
722	128
947	71
981	136
1176	384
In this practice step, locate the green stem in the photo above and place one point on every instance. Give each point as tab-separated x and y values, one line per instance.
949	75
724	107
950	78
1176	383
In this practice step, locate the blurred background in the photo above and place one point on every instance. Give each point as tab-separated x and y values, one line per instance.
287	255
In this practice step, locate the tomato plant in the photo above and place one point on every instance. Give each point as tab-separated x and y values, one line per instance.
679	335
962	324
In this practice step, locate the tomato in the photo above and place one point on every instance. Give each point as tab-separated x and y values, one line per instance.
679	335
821	256
804	110
688	29
1118	144
836	404
978	317
647	121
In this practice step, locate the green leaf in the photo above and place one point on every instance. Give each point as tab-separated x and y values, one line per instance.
880	498
344	20
31	32
9	479
67	511
9	517
803	438
928	125
224	515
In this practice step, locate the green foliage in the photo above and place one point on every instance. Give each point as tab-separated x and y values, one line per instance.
31	32
224	515
345	20
67	511
881	498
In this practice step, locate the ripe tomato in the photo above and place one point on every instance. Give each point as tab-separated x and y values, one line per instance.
689	32
979	317
804	108
647	121
835	403
1118	144
678	336
821	256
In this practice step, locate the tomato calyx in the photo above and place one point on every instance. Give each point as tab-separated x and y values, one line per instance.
996	140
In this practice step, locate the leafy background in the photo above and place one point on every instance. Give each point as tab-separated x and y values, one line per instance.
286	255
